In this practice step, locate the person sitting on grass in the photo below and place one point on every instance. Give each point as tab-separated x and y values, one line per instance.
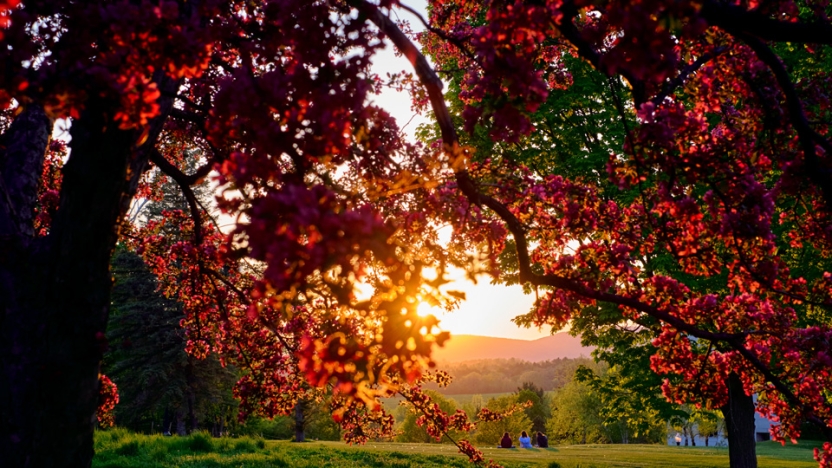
542	440
505	442
525	440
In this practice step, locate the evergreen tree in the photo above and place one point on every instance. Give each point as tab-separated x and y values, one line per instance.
162	388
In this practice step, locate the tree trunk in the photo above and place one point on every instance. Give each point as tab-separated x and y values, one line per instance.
190	396
300	423
54	290
181	430
167	422
739	426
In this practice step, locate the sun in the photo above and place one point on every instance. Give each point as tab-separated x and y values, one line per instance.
424	309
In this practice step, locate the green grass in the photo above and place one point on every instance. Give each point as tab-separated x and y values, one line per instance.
122	449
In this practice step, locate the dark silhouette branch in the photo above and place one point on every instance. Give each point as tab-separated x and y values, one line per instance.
181	180
820	175
573	35
683	75
735	18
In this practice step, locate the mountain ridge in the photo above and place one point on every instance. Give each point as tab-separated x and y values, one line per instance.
474	347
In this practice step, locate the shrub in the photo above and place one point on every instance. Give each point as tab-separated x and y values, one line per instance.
200	442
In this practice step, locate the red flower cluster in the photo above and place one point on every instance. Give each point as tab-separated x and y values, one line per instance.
107	400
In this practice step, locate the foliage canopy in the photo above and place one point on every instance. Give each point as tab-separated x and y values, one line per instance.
725	162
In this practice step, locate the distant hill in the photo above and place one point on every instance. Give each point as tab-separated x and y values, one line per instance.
471	347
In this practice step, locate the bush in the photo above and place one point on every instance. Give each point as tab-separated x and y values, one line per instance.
280	428
200	442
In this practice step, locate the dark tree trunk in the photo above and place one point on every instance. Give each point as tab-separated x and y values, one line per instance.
739	426
180	424
54	290
190	396
300	423
167	422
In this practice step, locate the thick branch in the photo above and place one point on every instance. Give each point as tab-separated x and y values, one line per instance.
683	75
179	176
572	34
21	163
182	180
735	18
423	70
469	189
453	40
188	116
820	175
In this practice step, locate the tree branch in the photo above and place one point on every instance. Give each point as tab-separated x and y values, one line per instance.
21	160
738	19
679	80
469	189
820	175
182	180
572	34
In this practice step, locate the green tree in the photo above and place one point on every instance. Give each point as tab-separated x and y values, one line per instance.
630	416
538	411
490	432
410	431
162	388
576	417
707	424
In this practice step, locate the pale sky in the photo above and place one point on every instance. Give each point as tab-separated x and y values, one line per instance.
488	309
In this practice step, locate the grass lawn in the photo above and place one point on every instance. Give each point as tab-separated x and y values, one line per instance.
122	449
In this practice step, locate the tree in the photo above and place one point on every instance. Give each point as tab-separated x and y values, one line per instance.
538	410
708	424
162	388
576	417
629	410
277	98
489	431
410	431
693	202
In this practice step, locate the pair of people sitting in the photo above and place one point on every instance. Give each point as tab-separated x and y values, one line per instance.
525	441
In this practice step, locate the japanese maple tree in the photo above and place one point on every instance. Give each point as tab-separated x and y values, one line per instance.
275	96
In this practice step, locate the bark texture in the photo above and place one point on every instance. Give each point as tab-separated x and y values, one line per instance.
739	426
21	159
55	290
300	422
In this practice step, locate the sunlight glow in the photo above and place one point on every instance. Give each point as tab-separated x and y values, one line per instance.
424	309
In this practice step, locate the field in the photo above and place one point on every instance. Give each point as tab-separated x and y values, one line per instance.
122	449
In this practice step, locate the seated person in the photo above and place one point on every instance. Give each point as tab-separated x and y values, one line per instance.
505	442
525	440
542	440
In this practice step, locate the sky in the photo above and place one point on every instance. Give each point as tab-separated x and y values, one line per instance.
488	309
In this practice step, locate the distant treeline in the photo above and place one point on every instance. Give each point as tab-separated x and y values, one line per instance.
505	375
